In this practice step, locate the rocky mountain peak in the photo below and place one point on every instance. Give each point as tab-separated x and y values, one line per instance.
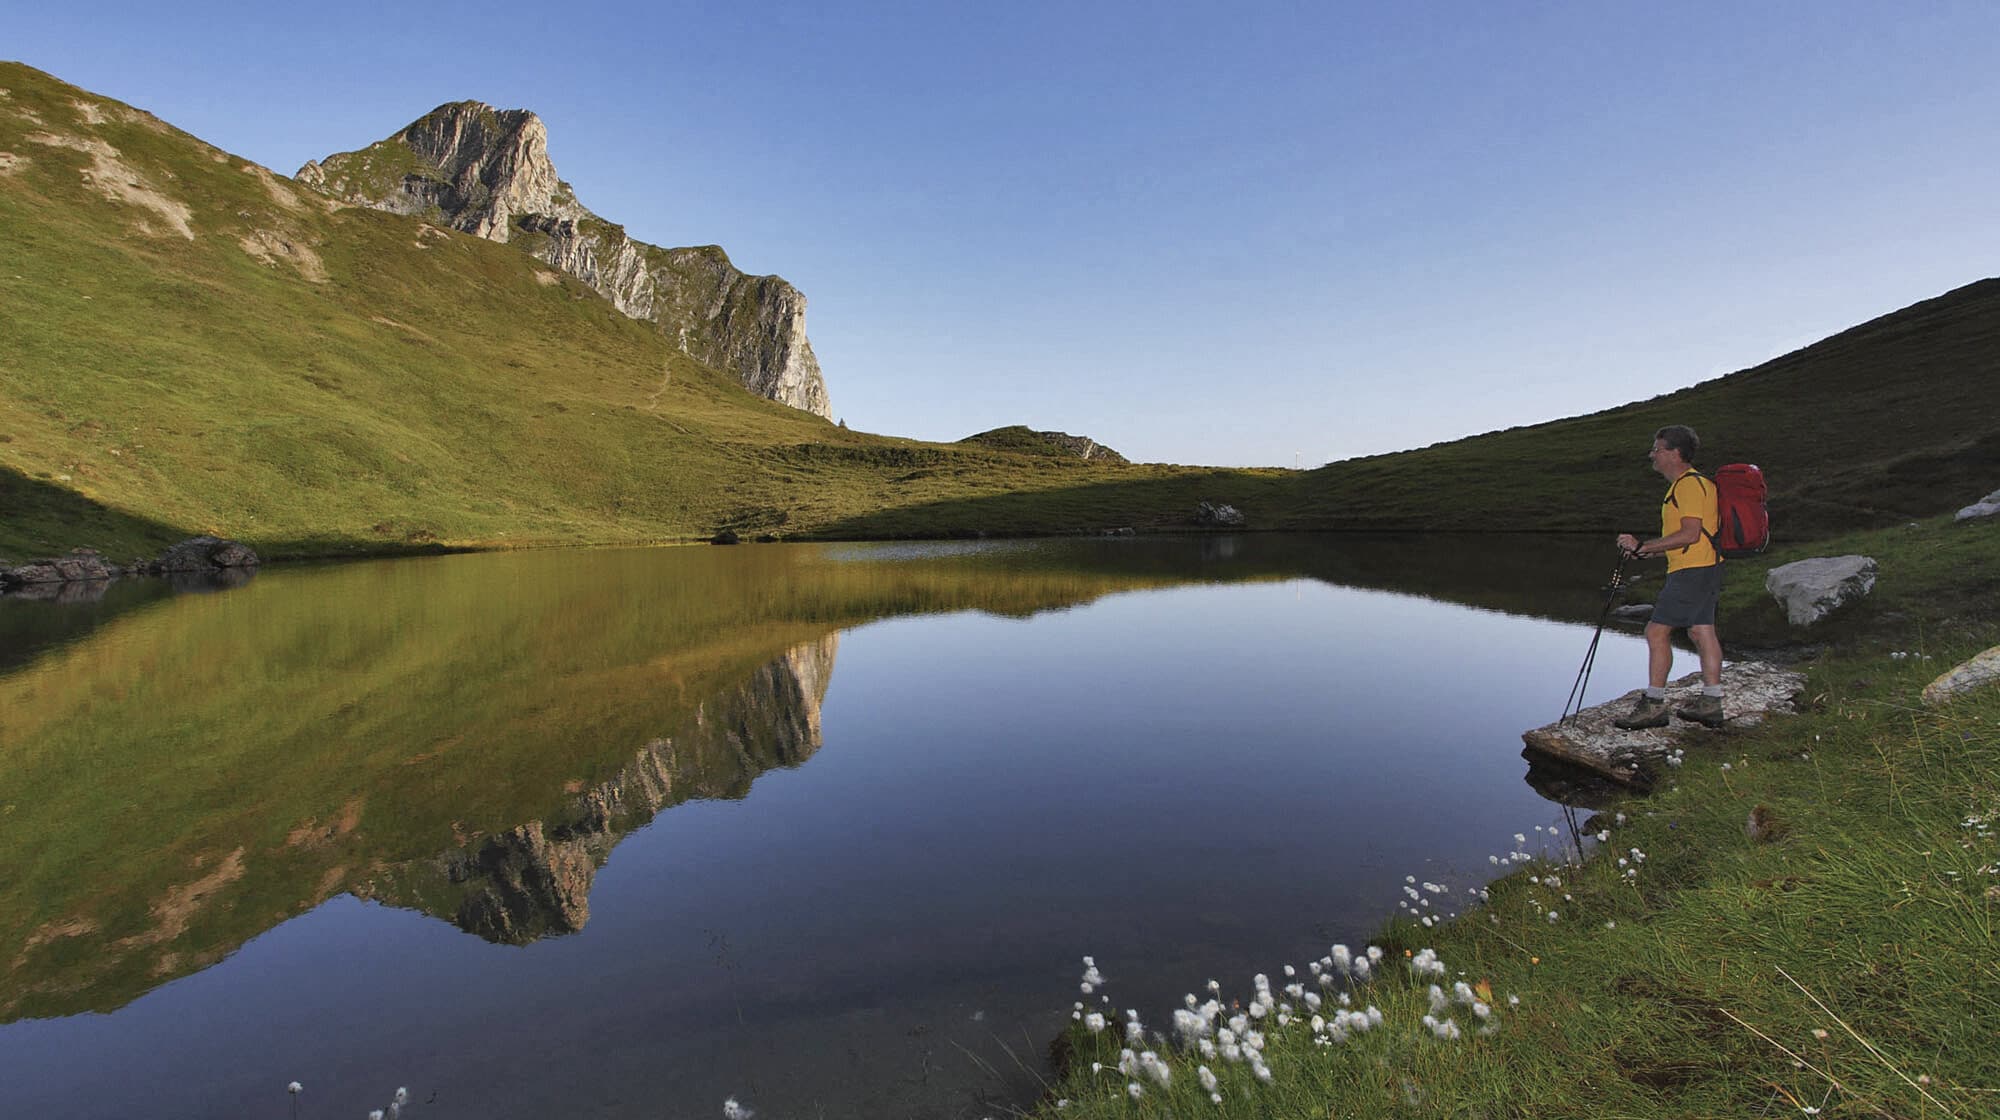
487	172
496	161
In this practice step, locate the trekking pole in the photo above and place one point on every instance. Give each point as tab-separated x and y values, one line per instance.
1612	591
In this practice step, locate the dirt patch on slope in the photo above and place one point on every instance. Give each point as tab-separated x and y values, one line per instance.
10	163
279	192
270	246
118	181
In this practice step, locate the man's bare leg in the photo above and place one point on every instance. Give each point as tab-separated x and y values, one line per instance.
1660	652
1709	646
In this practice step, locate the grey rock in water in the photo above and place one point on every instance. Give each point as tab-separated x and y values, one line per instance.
1217	515
82	565
1809	590
1981	671
1633	612
487	172
1984	507
203	554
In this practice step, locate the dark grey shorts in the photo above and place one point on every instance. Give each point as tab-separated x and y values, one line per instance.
1689	597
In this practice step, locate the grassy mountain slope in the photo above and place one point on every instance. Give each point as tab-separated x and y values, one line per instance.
196	344
215	349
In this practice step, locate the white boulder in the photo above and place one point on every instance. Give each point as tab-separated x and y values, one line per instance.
1979	672
1984	507
1811	589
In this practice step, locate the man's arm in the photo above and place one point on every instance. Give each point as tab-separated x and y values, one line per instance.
1689	532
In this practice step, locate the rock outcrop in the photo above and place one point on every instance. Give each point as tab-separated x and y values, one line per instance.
487	172
1217	515
1809	590
83	565
195	564
201	554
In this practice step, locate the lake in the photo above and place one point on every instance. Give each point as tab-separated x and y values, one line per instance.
824	828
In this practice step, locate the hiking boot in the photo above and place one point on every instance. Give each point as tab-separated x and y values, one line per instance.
1646	712
1706	710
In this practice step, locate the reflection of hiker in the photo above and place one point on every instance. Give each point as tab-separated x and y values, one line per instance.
1688	516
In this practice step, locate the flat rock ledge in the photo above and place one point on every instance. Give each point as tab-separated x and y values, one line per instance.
1751	690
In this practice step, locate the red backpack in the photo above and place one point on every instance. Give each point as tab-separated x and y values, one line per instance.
1745	520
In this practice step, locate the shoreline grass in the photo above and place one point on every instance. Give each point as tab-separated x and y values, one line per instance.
1847	963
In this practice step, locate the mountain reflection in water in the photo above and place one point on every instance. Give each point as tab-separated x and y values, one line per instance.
534	880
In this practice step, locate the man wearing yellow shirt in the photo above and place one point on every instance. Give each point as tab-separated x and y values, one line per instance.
1688	518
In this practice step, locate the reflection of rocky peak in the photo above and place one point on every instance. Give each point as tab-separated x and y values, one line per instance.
488	172
534	881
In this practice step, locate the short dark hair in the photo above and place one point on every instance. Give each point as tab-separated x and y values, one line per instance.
1681	438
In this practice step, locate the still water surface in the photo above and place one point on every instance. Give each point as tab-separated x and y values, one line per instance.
824	828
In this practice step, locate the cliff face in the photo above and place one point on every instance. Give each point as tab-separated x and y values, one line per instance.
488	173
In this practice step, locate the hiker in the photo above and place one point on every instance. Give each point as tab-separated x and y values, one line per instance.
1688	515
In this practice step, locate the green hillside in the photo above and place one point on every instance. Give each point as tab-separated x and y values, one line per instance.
198	345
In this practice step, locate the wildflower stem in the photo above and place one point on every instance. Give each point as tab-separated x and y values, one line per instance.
1886	1064
1782	1047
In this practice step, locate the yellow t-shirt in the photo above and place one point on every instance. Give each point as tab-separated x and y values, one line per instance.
1691	495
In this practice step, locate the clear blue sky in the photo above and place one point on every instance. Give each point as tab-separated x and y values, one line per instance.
1225	234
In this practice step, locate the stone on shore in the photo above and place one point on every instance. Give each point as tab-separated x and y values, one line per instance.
1984	507
1809	590
82	565
202	554
1750	691
1980	672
